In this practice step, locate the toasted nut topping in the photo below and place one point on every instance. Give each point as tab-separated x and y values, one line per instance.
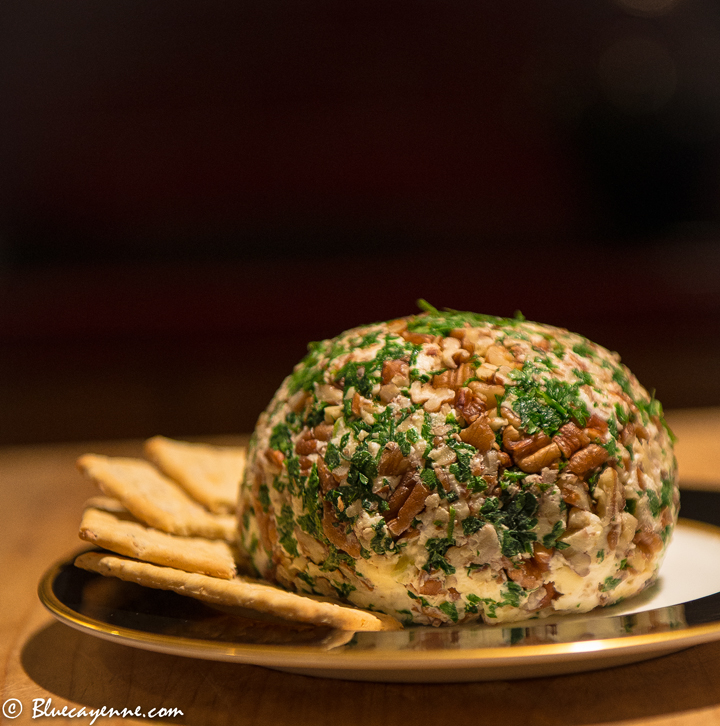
587	459
395	368
540	459
570	438
649	543
323	432
479	434
453	379
574	492
335	532
499	355
468	404
392	462
413	505
306	444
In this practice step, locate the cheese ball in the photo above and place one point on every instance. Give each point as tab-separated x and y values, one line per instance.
450	467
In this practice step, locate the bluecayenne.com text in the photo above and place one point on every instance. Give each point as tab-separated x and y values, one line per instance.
43	708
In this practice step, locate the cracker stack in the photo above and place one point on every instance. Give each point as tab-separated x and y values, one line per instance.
169	526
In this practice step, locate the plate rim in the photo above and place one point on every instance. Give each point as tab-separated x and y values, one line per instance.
319	658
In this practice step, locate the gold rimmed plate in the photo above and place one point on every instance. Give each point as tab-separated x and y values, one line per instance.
681	610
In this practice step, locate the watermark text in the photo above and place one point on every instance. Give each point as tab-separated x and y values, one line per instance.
43	708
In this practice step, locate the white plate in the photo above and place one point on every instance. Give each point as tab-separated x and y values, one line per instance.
681	610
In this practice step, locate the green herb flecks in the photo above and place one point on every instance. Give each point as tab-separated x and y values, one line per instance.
309	371
514	520
511	595
281	439
335	558
285	525
436	322
437	548
551	539
450	610
264	497
546	408
311	521
382	542
610	583
583	349
343	589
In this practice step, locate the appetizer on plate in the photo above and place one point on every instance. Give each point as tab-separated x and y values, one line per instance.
450	467
437	469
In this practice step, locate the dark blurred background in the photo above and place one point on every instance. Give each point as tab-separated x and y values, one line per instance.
189	192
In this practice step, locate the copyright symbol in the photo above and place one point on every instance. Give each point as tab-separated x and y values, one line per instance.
12	708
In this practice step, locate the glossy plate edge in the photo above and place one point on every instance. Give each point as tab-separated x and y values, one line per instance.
484	663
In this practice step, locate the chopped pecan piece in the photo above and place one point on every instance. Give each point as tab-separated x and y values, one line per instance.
275	457
468	404
323	432
538	460
414	504
595	428
357	402
525	573
306	464
416	338
574	491
612	500
550	595
504	460
479	434
627	434
392	368
392	461
306	444
587	459
521	447
499	355
643	478
512	418
335	532
531	453
327	480
453	378
489	392
541	557
431	587
570	438
400	495
649	543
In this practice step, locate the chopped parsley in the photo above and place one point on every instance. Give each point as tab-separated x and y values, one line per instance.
343	589
514	520
381	541
285	525
332	456
450	610
546	408
264	497
311	522
437	548
510	596
281	439
583	349
335	558
610	583
550	540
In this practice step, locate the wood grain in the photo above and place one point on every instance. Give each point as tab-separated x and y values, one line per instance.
41	496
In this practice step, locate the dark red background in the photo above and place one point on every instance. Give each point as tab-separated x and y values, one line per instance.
189	192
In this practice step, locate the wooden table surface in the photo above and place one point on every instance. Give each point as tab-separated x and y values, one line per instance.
40	500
